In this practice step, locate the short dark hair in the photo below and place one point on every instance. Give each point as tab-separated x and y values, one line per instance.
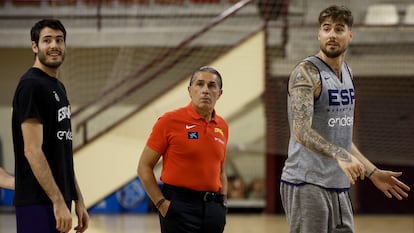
337	13
207	69
50	23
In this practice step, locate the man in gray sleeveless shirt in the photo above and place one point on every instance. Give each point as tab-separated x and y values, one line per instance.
322	160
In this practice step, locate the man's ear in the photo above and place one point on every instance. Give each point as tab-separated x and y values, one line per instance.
221	92
189	92
35	49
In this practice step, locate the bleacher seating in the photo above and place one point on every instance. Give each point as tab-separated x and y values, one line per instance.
96	2
130	2
62	2
108	2
205	1
163	2
26	2
382	14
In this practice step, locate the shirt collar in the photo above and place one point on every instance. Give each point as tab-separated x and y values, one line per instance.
194	114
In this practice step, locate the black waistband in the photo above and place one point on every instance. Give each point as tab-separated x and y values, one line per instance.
205	196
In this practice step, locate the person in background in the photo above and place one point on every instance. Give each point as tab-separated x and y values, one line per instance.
322	159
192	142
257	189
236	187
6	180
45	184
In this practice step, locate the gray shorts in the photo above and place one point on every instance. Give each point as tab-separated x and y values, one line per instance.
312	209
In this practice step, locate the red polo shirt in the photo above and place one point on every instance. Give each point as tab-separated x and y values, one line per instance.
192	149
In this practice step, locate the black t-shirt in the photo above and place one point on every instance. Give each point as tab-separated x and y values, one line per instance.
43	97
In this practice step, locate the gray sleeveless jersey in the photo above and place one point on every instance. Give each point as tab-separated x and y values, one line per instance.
333	119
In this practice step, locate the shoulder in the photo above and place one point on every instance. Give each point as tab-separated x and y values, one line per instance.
179	112
29	85
305	68
304	74
171	116
221	122
32	78
220	119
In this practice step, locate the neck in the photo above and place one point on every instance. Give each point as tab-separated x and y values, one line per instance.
335	63
52	72
206	114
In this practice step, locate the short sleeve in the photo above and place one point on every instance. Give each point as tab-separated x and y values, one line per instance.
28	101
158	139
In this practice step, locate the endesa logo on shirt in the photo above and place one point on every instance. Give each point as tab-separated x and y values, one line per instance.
343	99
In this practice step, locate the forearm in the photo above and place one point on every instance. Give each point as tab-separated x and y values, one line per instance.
78	192
315	142
33	140
369	166
148	180
43	174
6	180
145	171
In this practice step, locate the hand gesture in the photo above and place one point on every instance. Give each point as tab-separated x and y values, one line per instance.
387	182
351	166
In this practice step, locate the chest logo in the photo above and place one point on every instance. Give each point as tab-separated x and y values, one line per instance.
218	130
56	96
192	135
342	97
189	126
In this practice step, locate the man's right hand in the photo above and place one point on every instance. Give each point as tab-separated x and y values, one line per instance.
164	208
62	216
352	167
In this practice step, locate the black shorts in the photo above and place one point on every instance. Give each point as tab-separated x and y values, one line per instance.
36	219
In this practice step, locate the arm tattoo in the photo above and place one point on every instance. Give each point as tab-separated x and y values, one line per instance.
304	84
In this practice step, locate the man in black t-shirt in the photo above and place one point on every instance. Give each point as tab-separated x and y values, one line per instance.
45	183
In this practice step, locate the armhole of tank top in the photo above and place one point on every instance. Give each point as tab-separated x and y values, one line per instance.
350	74
320	92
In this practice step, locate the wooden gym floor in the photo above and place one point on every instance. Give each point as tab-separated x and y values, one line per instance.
236	223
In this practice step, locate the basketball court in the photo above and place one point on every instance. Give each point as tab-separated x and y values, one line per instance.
236	223
128	56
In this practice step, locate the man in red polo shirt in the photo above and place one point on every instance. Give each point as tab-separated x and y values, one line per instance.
192	141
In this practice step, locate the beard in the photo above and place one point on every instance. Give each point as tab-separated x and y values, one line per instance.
42	56
332	53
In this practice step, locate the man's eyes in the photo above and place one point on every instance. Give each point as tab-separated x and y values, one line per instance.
210	85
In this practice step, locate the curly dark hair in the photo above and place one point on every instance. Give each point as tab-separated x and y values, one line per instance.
337	13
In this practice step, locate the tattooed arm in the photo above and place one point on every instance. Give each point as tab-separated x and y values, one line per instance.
304	86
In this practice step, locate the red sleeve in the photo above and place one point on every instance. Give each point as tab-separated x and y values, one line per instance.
158	139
